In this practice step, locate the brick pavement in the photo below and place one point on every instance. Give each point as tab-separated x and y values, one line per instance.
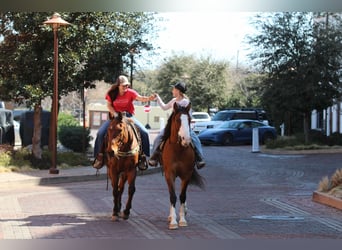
248	195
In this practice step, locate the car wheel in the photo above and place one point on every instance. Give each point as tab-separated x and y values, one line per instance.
227	140
267	137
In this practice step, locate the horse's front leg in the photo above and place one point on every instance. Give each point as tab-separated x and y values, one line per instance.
182	208
131	191
116	197
173	199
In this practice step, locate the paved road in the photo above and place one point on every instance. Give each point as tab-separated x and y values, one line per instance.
248	196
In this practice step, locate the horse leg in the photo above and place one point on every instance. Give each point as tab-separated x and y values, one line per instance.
131	191
182	209
173	199
116	200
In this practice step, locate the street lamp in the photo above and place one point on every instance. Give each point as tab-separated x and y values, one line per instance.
55	22
131	52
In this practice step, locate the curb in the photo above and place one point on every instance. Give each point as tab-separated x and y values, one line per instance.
327	199
55	179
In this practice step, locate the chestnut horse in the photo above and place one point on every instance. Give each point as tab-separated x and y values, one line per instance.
123	145
178	160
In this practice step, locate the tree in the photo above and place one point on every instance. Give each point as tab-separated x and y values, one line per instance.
94	47
207	81
300	58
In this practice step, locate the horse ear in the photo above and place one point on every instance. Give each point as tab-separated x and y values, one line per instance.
120	116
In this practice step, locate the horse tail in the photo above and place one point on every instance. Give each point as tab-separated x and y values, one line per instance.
197	180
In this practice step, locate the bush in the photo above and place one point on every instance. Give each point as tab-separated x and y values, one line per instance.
318	137
23	160
73	137
67	120
317	140
335	139
282	142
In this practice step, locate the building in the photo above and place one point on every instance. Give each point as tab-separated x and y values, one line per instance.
329	120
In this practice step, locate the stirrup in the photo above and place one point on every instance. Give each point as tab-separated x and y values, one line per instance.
142	163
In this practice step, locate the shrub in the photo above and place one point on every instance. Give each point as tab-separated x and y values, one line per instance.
73	137
282	142
334	139
318	137
67	120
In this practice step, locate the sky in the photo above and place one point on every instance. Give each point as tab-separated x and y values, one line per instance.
216	34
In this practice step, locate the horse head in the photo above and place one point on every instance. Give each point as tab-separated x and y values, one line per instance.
182	120
116	133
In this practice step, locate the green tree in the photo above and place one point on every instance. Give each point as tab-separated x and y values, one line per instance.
207	81
300	56
95	46
246	90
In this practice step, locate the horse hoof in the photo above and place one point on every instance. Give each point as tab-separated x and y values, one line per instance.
173	226
114	218
124	216
183	224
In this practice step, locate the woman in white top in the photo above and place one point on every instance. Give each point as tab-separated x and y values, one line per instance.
178	92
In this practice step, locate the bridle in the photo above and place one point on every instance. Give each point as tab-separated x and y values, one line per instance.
119	140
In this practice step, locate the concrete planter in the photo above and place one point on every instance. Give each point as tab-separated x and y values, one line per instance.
327	199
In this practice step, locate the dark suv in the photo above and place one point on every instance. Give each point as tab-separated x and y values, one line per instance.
226	115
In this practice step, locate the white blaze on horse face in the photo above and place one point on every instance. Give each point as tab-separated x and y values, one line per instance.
115	145
184	131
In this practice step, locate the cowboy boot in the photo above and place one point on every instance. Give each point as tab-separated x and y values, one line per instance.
142	163
154	159
200	163
98	162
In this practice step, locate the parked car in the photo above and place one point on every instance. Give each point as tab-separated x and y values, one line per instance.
226	115
199	117
237	131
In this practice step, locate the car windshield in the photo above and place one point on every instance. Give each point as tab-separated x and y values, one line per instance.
199	116
222	116
229	124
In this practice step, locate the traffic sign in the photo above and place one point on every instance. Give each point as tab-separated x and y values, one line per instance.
147	108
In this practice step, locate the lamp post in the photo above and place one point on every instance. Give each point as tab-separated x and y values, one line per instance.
131	52
55	22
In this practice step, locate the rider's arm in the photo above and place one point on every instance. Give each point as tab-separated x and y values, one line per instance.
163	105
144	98
111	109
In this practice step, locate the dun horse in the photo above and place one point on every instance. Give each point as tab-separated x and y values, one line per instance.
123	145
178	160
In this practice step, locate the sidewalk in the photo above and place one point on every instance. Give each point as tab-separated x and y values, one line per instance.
43	177
84	173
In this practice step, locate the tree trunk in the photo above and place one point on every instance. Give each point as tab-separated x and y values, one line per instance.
37	132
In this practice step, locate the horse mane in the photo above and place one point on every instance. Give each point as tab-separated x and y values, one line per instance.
167	129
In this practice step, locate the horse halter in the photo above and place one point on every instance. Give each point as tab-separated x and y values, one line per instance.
119	141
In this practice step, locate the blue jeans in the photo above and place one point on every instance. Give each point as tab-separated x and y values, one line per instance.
103	131
195	140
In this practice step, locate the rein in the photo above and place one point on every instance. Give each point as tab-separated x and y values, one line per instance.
128	153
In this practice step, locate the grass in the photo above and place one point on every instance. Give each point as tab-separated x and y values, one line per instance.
17	160
332	185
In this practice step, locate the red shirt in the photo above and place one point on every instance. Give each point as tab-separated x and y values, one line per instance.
124	102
